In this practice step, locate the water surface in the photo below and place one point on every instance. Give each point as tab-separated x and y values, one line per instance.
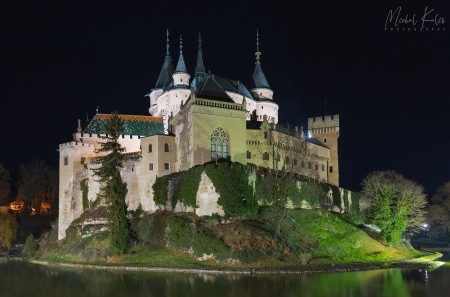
25	279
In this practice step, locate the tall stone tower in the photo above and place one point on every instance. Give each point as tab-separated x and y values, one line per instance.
326	130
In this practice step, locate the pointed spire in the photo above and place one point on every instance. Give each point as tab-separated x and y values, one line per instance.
200	68
259	79
181	66
167	43
165	76
257	53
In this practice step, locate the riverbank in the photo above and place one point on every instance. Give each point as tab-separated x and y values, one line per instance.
309	241
424	262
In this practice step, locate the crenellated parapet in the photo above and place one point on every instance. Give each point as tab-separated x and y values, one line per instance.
323	124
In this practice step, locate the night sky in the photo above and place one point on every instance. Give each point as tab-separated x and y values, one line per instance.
391	88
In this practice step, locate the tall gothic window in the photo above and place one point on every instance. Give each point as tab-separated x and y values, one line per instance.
219	144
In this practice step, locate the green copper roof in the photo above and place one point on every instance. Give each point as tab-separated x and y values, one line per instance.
259	79
133	125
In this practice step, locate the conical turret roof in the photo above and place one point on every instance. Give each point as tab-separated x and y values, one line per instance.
181	66
165	76
259	79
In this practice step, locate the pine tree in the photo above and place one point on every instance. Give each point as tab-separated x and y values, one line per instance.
114	189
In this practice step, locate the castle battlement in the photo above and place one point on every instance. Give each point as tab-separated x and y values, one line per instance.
100	136
323	122
74	144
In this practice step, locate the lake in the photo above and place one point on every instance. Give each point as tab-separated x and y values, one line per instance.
25	279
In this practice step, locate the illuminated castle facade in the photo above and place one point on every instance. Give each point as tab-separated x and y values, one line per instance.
194	118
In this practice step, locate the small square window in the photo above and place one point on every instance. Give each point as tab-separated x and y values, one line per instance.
166	166
150	166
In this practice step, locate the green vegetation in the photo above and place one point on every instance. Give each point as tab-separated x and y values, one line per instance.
186	189
397	205
232	184
231	181
85	191
8	231
180	232
114	189
160	189
30	247
306	238
205	242
184	185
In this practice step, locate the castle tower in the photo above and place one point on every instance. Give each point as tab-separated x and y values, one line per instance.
181	76
262	91
164	78
326	130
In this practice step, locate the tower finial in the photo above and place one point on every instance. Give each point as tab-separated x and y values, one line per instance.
257	53
167	42
181	44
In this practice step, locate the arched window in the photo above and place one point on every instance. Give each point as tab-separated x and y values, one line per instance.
266	156
249	155
166	147
150	148
331	168
219	144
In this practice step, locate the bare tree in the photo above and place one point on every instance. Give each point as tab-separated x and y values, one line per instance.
285	156
37	183
438	215
5	185
396	204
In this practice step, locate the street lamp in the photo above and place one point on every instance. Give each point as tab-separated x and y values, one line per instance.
425	229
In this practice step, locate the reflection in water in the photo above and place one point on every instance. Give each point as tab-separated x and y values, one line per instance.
24	279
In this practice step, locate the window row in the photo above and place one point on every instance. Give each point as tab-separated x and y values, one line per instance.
166	148
166	166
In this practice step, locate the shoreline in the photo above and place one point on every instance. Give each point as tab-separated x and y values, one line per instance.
405	264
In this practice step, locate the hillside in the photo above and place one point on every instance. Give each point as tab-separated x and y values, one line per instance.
307	238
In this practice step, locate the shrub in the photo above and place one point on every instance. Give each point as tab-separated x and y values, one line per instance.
180	233
204	242
146	228
30	247
137	213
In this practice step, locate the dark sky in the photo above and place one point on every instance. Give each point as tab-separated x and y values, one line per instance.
60	60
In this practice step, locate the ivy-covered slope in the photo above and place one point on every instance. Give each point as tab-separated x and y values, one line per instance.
307	238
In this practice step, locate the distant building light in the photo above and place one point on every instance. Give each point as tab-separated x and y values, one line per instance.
309	135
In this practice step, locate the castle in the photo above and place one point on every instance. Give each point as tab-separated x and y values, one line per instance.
192	121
